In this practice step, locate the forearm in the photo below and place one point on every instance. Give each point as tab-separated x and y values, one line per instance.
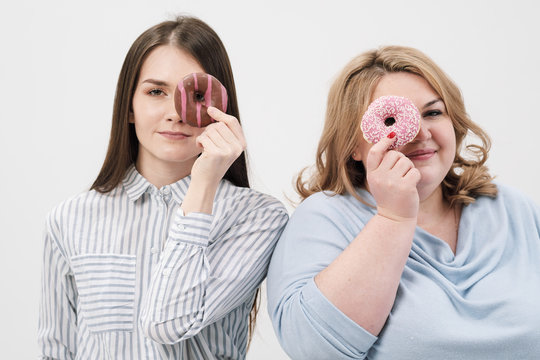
208	278
200	197
180	277
362	281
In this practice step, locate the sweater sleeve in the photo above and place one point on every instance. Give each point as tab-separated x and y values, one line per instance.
57	327
209	267
307	324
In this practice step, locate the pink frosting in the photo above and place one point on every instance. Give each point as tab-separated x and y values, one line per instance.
193	111
405	113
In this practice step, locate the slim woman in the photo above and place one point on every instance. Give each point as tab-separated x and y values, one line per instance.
413	253
163	257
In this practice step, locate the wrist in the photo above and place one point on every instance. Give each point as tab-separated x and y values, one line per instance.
199	197
396	218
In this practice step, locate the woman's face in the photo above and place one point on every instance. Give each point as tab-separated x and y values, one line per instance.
433	150
163	138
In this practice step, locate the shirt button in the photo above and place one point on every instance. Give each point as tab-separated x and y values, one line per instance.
166	272
166	190
181	226
154	250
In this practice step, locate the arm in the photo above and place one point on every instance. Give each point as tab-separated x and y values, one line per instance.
57	328
335	271
201	278
362	281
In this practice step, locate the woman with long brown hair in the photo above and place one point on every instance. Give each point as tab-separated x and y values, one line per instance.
406	253
164	255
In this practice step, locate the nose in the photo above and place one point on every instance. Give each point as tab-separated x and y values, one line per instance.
171	114
424	133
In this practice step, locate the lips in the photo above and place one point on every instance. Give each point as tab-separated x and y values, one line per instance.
174	135
421	154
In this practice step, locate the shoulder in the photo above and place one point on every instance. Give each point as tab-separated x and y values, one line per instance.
508	197
242	205
510	203
323	211
75	207
247	198
332	204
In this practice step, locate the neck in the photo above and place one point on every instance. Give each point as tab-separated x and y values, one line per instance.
432	208
437	217
160	173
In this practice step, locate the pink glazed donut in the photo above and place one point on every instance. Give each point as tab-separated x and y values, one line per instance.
391	113
194	94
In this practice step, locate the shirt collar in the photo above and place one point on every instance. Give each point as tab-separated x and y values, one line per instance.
136	185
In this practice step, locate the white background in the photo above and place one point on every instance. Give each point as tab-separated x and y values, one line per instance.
60	61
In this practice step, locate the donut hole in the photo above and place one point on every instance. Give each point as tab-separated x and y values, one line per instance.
389	121
198	96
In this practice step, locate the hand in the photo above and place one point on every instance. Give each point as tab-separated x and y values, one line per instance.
392	180
222	143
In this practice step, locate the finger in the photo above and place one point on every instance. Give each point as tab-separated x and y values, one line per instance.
390	159
403	166
413	175
225	140
206	142
377	152
228	120
222	139
220	129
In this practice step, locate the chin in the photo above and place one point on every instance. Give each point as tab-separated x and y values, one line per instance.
425	189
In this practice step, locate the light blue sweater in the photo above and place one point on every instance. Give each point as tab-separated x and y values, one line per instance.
482	303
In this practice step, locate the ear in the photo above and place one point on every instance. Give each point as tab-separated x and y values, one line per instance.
357	153
131	117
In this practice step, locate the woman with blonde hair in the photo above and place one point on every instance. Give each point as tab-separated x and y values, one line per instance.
411	253
163	257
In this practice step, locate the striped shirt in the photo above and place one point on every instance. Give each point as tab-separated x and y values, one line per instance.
127	276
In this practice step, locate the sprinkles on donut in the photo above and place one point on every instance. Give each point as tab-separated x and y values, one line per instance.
391	114
194	94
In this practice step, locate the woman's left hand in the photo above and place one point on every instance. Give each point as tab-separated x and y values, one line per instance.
222	143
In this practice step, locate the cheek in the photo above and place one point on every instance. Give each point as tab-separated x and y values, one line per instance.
448	140
362	149
145	111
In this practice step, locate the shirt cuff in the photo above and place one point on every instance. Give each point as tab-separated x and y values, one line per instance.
334	321
191	229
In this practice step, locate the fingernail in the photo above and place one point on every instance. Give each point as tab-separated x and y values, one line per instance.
392	135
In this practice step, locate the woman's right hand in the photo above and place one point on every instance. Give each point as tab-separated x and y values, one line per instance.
392	180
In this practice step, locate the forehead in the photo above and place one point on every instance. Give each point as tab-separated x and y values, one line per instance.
408	85
169	62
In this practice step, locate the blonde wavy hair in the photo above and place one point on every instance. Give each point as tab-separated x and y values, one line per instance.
336	171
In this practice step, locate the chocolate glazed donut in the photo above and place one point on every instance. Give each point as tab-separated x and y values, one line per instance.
194	94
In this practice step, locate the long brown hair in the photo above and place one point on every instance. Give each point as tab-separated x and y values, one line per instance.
348	99
200	41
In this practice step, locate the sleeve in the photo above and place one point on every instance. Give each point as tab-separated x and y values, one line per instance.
57	325
307	324
200	279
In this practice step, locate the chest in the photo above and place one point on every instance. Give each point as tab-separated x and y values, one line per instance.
452	312
120	227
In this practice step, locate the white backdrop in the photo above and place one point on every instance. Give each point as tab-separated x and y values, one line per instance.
60	61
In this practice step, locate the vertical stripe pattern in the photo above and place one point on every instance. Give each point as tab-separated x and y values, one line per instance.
127	276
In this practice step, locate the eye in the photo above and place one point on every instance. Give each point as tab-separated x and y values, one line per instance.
199	97
432	113
156	92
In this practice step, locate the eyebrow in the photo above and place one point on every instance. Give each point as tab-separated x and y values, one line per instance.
155	82
431	103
